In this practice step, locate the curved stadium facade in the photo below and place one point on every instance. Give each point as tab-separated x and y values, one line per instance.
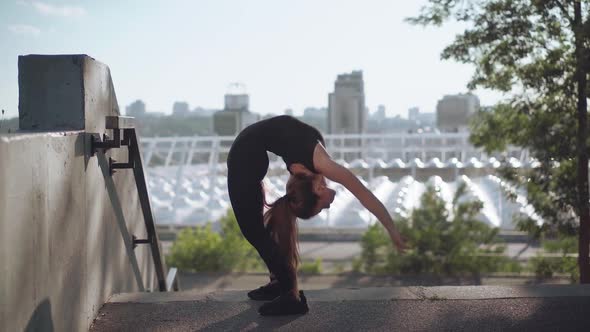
187	177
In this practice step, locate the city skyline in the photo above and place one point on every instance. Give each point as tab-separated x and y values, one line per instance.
288	55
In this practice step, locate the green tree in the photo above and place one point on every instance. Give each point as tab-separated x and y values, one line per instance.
314	267
537	53
202	249
442	241
558	257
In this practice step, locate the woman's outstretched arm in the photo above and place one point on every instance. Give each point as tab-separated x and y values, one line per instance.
338	173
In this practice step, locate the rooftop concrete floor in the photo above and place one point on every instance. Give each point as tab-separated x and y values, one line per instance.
445	308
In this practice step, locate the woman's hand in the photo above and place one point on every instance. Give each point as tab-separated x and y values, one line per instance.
398	241
337	173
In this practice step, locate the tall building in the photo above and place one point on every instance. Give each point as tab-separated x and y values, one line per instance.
422	119
376	122
413	113
235	115
315	112
180	109
453	111
347	113
200	111
316	117
379	113
136	109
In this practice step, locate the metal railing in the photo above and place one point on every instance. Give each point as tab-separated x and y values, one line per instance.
117	124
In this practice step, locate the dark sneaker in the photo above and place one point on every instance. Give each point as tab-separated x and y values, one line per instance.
285	304
267	292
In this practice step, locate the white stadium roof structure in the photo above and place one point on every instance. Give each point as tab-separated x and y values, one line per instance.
188	185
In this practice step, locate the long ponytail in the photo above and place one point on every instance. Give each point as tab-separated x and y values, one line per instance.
281	217
282	223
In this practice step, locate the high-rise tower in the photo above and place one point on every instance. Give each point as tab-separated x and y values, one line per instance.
235	115
453	111
347	113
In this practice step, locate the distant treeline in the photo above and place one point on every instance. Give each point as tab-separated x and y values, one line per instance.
8	125
174	126
149	126
166	126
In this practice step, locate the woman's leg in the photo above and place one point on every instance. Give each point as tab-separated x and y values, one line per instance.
247	202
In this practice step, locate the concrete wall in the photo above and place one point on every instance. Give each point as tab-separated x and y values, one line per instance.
65	223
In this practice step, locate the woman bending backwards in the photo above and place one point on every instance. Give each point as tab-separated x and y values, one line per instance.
274	233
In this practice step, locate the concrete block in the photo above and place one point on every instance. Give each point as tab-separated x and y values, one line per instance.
64	92
51	92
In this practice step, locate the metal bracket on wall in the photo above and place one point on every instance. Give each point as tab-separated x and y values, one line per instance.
116	123
113	164
137	241
105	144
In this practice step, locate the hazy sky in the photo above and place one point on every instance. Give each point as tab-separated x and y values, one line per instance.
287	53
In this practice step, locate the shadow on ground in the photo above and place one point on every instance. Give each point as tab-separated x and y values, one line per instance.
515	314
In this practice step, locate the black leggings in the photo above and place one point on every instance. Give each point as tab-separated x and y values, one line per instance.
246	167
